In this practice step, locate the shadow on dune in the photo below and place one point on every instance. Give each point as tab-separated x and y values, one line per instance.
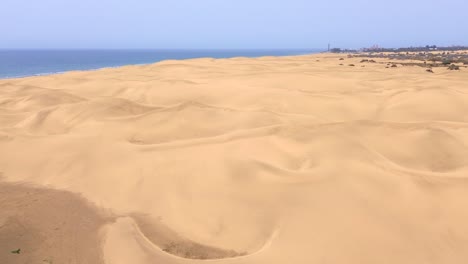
48	226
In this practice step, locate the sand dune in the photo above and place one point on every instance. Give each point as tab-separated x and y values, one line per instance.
268	160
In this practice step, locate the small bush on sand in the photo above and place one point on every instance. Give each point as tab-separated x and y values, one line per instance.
453	67
446	61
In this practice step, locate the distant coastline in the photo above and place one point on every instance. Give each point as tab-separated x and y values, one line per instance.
26	63
376	48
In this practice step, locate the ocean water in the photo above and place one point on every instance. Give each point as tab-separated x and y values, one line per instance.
20	63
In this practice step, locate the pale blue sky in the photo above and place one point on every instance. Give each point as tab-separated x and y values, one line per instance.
230	23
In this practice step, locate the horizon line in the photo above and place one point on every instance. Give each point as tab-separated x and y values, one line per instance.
163	48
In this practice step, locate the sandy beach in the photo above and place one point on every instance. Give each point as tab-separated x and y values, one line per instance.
270	160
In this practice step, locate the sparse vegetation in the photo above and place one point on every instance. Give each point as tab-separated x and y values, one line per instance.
446	61
422	59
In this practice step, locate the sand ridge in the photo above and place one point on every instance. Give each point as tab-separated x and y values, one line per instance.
269	160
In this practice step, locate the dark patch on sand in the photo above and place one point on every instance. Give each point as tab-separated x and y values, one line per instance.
171	242
48	226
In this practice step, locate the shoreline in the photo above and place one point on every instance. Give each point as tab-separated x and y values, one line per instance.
150	63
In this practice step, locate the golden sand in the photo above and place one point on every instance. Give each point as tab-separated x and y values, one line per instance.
267	160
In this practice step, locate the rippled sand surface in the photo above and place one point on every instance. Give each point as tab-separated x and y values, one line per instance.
268	160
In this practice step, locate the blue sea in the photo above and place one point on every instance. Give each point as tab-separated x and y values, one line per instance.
21	63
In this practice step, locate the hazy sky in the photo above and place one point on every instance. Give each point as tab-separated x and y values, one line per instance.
231	23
